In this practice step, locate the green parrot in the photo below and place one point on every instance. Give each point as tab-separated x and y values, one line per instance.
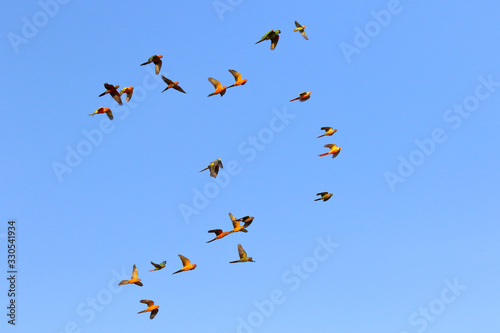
243	256
158	266
325	196
273	36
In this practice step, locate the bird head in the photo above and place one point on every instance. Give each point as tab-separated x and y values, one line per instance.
194	266
277	32
250	259
244	81
160	56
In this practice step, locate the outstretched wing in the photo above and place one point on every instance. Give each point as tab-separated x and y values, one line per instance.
241	252
329	145
326	128
185	261
214	82
297	24
322	193
167	81
134	272
237	76
217	232
148	302
236	224
153	313
109	114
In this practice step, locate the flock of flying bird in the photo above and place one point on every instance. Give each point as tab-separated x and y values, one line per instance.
213	167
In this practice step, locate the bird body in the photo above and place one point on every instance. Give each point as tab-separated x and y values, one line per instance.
334	150
325	196
133	279
156	59
273	36
172	84
103	110
111	89
158	266
328	131
218	233
129	91
239	81
304	96
151	308
214	167
219	89
243	256
186	263
247	220
300	28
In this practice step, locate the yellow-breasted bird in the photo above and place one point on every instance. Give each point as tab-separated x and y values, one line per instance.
300	28
247	220
186	263
103	110
328	131
151	308
334	150
214	167
133	279
325	196
238	80
129	91
219	89
304	96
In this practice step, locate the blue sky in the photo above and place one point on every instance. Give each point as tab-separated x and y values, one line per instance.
408	242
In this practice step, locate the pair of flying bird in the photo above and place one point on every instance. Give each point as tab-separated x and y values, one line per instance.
220	89
246	220
334	149
112	90
273	35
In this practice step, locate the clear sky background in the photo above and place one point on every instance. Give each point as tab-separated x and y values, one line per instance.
414	215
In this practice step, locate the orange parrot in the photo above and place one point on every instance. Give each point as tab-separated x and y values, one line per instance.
156	59
110	89
187	266
129	91
334	150
219	89
133	279
237	78
247	220
151	307
218	233
304	96
103	110
172	84
328	131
